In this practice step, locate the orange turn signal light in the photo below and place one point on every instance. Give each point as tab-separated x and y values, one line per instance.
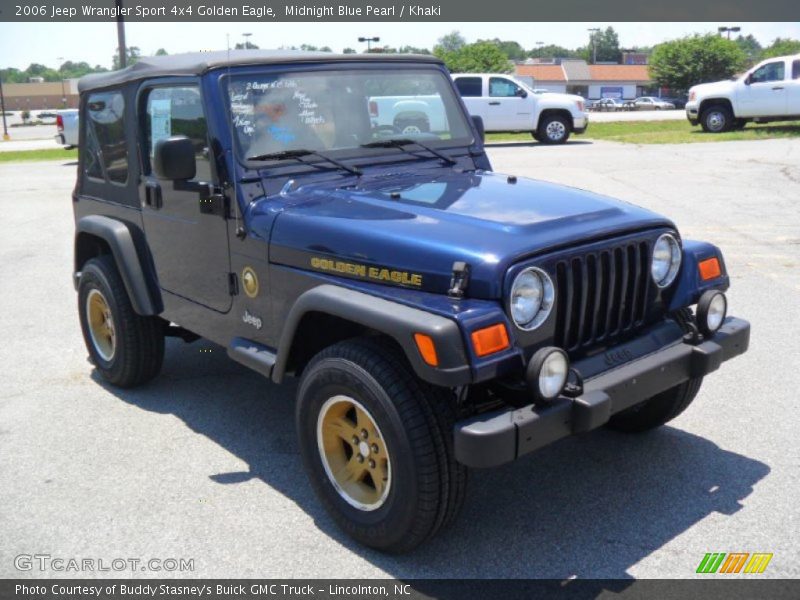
427	349
710	269
490	339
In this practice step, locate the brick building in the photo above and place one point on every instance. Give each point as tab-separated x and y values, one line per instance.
42	95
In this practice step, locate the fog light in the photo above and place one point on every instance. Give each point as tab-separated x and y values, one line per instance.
547	373
711	310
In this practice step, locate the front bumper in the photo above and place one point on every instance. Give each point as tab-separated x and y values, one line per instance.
692	114
580	124
497	437
59	137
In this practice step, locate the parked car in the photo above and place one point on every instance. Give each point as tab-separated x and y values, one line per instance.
438	315
46	115
408	114
651	103
67	127
508	105
680	103
770	91
607	105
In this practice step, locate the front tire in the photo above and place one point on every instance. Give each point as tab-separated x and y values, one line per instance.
554	129
716	119
377	445
125	347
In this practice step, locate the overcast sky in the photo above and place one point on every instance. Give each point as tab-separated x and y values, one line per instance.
95	43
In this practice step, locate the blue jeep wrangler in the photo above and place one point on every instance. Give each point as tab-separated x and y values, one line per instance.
439	316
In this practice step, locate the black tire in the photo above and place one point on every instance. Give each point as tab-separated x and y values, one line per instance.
554	129
426	486
716	119
535	136
412	126
663	407
137	352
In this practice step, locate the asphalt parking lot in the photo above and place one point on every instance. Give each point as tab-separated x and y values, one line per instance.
202	463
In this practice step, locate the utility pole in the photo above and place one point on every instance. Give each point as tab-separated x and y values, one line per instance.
246	37
6	137
123	51
728	30
592	32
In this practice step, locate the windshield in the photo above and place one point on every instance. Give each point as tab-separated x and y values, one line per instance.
341	110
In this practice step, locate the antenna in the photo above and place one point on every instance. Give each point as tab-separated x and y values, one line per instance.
240	232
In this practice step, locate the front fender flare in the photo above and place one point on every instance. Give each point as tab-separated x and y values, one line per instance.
398	321
142	290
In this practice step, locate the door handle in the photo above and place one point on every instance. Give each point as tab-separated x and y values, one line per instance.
778	87
495	103
152	195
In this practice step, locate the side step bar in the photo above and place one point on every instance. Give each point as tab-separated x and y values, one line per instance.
253	355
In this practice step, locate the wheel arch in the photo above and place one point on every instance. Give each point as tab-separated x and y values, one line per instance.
563	112
341	313
708	102
97	235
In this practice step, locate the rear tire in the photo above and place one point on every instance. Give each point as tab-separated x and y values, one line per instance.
125	347
405	488
554	129
716	119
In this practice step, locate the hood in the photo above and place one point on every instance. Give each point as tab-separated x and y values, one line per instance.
717	87
409	229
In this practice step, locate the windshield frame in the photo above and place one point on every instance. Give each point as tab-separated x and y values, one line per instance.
348	154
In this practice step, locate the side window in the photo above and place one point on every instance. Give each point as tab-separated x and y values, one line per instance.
470	87
106	146
796	69
773	71
177	111
499	87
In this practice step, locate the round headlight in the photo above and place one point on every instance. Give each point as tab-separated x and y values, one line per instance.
531	300
711	311
547	373
666	260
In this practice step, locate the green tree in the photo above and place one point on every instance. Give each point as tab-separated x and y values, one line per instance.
246	45
781	47
552	51
132	55
413	50
749	46
682	63
452	42
604	44
161	52
512	50
349	51
475	58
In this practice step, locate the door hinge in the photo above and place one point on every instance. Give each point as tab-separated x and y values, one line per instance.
233	284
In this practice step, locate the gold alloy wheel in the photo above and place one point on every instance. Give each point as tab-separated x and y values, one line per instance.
101	325
354	453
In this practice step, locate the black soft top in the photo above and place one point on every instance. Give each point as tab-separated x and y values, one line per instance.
197	63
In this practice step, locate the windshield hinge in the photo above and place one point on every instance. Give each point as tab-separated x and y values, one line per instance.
460	279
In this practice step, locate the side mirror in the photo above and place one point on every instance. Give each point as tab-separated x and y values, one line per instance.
478	123
522	93
173	159
747	80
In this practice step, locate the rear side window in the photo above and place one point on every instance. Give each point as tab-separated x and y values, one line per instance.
796	69
178	111
106	146
469	86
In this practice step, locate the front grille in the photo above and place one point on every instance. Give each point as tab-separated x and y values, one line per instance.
601	295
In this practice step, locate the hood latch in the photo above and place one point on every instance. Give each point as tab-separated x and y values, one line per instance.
459	280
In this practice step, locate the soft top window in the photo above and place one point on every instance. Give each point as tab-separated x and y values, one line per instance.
106	145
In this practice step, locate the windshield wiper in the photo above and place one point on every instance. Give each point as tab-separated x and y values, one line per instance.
402	142
300	153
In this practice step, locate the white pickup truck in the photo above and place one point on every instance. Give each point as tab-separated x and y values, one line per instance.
67	127
507	104
770	91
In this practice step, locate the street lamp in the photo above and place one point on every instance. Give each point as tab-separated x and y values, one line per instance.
728	30
63	91
246	40
592	32
369	41
6	137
